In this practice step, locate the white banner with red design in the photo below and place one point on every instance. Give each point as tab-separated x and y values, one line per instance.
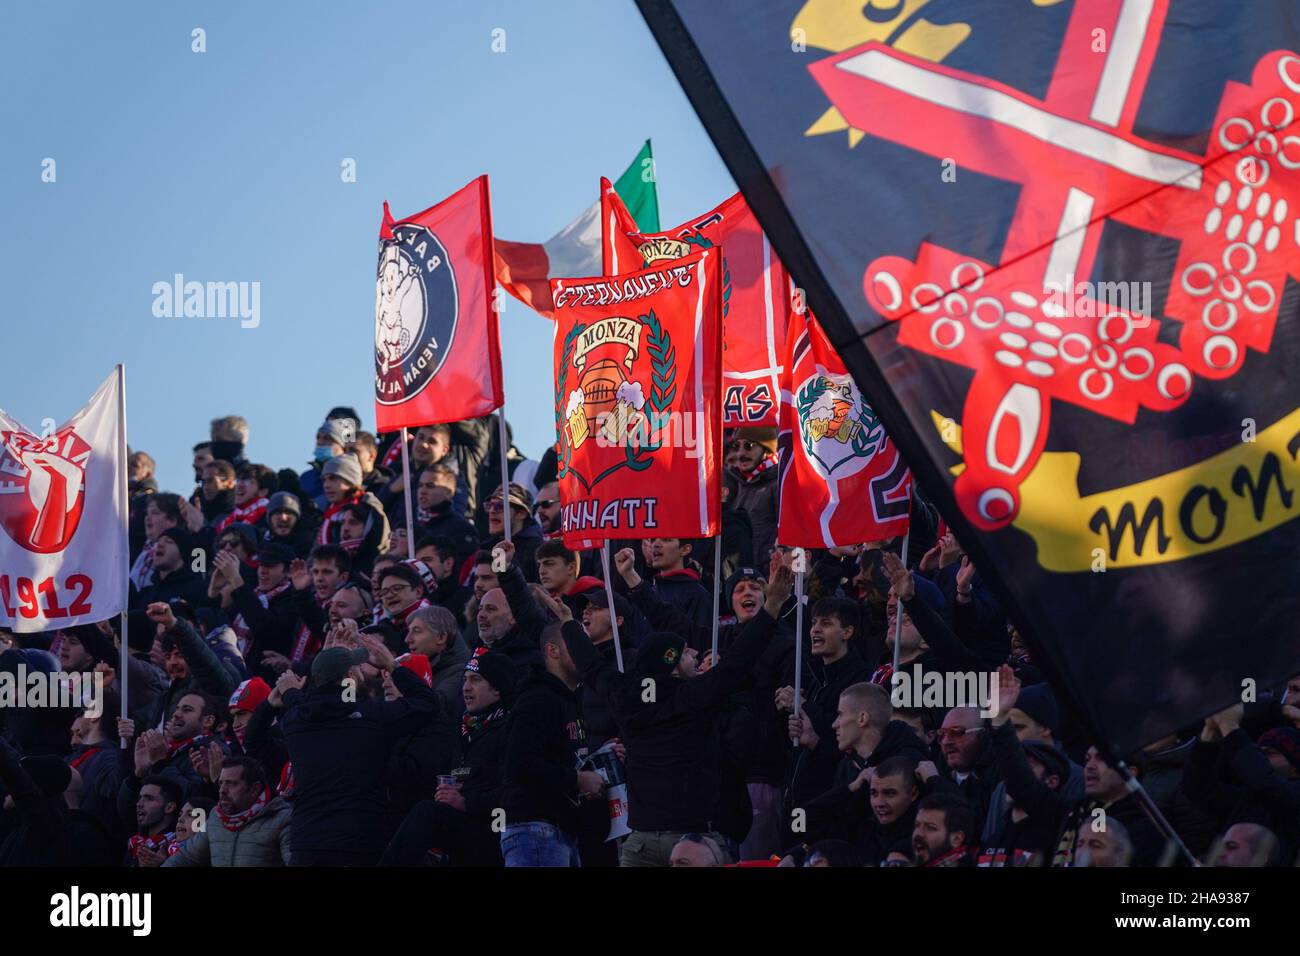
63	545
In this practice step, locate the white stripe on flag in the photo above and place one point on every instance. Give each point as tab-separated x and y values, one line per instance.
828	513
699	396
767	310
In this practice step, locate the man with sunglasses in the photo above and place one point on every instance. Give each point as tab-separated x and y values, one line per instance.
546	508
754	451
964	741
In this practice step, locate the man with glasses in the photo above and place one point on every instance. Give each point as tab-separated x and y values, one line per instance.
525	532
964	742
546	508
400	593
754	451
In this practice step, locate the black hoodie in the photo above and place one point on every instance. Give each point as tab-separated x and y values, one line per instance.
547	742
673	763
340	752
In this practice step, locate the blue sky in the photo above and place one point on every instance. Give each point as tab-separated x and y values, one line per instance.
225	166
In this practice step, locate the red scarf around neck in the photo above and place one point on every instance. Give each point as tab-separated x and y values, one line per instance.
235	821
251	513
334	515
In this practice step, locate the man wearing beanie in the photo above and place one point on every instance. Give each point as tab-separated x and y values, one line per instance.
173	577
332	439
759	494
1048	809
342	481
458	821
542	787
268	615
669	714
340	744
285	524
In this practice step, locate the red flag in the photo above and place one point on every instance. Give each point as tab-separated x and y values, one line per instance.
437	351
637	372
842	480
755	300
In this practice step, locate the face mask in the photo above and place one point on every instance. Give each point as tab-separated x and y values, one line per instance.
323	453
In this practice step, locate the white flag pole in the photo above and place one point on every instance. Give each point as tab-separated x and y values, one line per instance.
124	651
410	498
898	617
717	592
505	478
609	596
798	646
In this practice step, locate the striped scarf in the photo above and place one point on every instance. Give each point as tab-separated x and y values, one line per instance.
240	626
305	642
401	617
235	821
469	723
155	842
251	513
334	516
767	463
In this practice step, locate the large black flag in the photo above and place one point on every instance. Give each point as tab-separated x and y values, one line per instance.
1057	245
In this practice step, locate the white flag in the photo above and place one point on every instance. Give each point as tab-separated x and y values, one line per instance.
63	543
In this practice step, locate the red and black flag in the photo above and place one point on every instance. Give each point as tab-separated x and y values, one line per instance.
437	351
1057	246
638	362
755	299
842	480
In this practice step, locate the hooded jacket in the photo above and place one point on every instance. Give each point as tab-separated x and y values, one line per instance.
547	743
340	751
673	765
46	832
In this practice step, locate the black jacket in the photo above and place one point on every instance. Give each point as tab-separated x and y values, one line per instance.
547	742
837	810
1050	809
813	770
521	642
274	627
673	763
46	832
340	751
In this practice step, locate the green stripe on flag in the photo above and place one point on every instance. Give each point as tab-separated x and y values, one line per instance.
636	187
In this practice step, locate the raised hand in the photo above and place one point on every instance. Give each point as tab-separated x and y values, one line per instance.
555	605
299	574
160	612
900	579
625	564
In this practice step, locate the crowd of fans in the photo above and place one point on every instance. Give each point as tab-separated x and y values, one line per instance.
303	692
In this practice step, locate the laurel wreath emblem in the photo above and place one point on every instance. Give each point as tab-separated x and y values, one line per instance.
866	440
663	391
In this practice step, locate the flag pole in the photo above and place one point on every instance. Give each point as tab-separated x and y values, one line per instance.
505	482
609	596
898	618
717	592
124	650
410	499
798	647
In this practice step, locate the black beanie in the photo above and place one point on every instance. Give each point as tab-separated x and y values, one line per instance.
497	669
184	542
658	654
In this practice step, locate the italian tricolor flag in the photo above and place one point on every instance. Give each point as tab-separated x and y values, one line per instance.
525	269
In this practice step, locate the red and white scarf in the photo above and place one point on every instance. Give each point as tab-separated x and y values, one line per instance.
334	516
235	821
240	626
155	842
305	642
767	463
401	616
251	513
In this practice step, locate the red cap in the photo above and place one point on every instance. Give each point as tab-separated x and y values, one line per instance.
418	664
249	695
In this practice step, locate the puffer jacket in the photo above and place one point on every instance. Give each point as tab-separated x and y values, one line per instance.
262	841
